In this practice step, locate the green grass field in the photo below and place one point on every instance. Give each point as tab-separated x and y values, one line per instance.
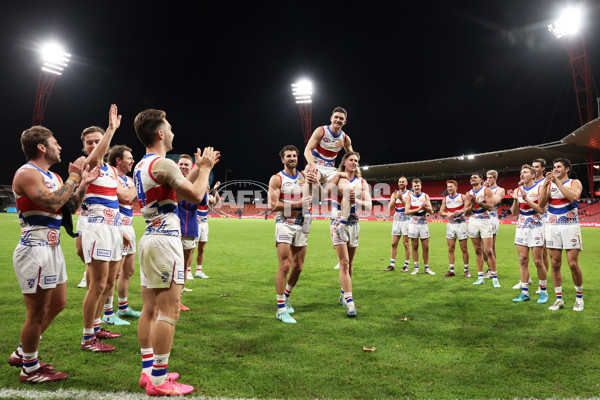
435	337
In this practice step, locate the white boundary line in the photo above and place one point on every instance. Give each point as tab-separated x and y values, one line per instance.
87	395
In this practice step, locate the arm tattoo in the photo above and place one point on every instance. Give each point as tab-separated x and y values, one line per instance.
55	199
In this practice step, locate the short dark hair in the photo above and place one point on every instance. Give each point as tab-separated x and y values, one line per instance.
147	123
115	152
340	110
565	162
289	147
30	138
541	161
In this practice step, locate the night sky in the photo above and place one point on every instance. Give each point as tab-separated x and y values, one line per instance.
419	81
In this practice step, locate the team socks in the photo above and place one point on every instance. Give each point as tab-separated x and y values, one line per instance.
542	284
288	291
159	369
280	303
525	288
97	323
123	306
558	291
348	297
147	360
108	307
30	362
579	291
451	267
88	334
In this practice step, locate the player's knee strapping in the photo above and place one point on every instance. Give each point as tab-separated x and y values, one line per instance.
166	319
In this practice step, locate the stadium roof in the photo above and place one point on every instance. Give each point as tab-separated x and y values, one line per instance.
576	146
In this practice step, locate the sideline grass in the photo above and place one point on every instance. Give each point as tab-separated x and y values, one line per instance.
459	340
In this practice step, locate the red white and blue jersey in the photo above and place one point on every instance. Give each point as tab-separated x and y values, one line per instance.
202	213
416	202
126	209
39	227
478	211
188	218
456	203
100	200
561	210
157	201
399	214
328	148
494	211
357	185
528	217
290	191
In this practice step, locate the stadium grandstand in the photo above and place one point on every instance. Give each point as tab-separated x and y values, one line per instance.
581	147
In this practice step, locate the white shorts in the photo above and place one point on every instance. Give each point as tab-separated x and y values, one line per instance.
326	172
161	261
530	237
102	242
130	232
188	243
563	236
81	224
42	266
290	234
495	225
480	228
353	234
203	231
457	231
400	227
418	231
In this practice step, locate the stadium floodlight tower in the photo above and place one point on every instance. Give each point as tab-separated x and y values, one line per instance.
567	29
54	61
302	91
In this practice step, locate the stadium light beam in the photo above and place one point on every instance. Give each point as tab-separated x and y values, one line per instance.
302	91
54	62
569	23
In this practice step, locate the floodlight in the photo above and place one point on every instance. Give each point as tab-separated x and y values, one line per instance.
302	91
568	23
55	59
470	156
